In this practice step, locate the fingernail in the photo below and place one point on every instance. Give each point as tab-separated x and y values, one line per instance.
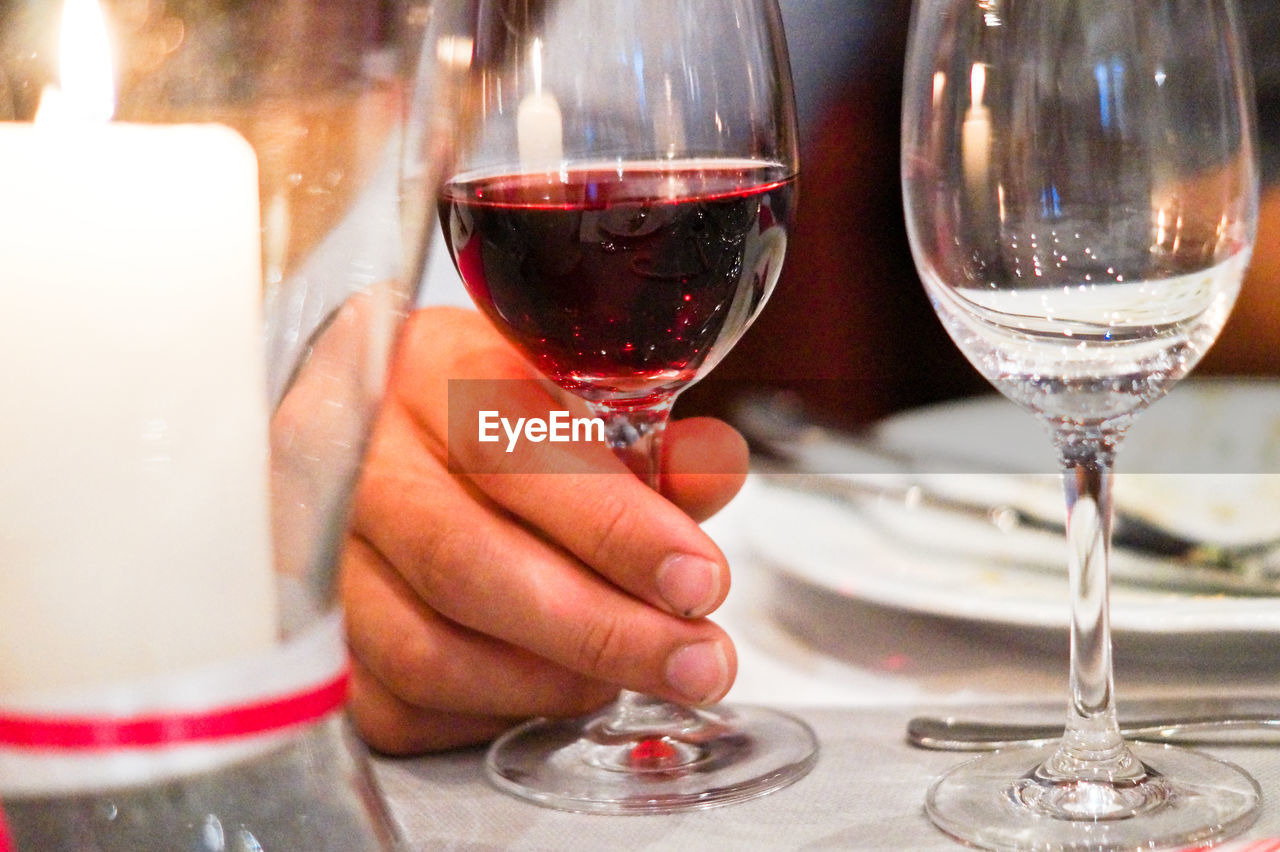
689	584
699	672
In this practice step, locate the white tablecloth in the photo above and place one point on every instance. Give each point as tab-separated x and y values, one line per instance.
856	674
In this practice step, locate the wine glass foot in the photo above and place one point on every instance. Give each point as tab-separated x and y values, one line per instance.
1185	798
735	754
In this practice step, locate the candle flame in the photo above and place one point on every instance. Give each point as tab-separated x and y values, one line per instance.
939	86
535	59
977	84
455	51
85	61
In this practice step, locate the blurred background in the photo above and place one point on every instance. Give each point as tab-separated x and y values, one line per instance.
848	330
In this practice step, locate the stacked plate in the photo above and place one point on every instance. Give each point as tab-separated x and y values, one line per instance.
883	529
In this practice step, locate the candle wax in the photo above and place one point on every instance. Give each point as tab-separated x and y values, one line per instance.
134	513
975	143
540	131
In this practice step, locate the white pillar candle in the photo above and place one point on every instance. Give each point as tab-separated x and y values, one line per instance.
539	130
539	126
975	136
134	516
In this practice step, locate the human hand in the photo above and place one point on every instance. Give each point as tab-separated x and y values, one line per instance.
475	600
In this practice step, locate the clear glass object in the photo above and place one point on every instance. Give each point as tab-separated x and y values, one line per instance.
619	210
1081	197
201	200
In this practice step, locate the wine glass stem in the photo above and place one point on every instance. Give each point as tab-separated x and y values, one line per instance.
634	433
1092	746
1091	720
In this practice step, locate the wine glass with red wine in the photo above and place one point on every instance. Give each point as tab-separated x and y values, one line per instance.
620	212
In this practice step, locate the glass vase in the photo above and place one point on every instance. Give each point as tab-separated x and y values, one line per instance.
214	222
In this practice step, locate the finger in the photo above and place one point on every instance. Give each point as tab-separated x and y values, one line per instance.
431	663
625	532
704	465
392	726
470	563
583	498
578	495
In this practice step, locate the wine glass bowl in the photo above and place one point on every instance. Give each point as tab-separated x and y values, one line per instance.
1070	191
690	250
619	212
1080	189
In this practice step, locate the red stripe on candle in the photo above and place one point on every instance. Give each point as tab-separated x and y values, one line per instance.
100	733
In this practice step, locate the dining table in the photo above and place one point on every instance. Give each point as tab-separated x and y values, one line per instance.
856	668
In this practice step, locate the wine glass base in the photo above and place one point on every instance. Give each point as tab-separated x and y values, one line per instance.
1187	798
736	754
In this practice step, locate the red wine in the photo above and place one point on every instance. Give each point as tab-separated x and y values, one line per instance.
624	280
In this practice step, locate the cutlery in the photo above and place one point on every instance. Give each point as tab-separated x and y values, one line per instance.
793	452
950	734
1251	569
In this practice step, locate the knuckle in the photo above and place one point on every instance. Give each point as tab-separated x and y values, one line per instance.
377	732
613	517
600	648
408	666
439	572
378	721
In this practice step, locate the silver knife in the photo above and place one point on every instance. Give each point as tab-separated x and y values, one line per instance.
788	448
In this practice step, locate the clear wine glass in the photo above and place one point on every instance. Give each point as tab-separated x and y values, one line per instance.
1081	196
620	213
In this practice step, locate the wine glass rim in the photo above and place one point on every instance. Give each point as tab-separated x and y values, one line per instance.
784	171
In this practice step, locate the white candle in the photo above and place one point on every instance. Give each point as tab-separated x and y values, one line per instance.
975	135
134	516
539	126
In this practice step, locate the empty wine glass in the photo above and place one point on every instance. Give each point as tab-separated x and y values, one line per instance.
1081	196
620	212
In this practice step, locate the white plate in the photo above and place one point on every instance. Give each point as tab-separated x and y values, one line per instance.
962	571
